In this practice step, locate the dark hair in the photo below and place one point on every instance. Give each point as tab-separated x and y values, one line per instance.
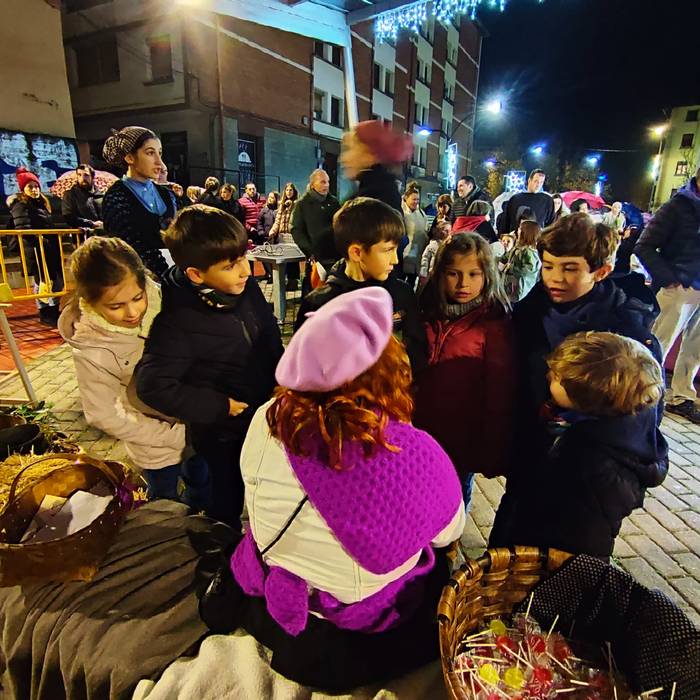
577	235
201	236
228	186
576	205
557	195
211	184
104	262
433	302
529	233
479	208
536	171
85	166
469	179
283	197
366	221
444	199
526	214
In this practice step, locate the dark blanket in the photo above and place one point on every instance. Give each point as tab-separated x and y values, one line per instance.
97	639
653	641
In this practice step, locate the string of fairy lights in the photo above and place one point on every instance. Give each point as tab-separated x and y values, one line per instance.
411	17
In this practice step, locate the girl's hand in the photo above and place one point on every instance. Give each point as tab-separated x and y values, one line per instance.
235	408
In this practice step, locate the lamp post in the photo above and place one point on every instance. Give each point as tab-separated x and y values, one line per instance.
659	132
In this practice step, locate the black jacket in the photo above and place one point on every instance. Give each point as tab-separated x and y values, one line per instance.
265	221
542	206
576	497
197	357
81	208
125	217
312	227
379	183
407	323
669	246
461	205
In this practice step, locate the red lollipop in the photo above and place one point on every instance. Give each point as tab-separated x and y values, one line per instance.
536	643
504	644
561	650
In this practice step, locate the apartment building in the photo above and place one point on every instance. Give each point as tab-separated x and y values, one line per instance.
249	97
679	155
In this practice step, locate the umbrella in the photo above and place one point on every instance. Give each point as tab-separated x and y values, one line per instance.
594	201
101	182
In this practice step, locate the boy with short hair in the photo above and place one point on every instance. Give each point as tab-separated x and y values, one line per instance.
605	389
367	232
574	295
211	355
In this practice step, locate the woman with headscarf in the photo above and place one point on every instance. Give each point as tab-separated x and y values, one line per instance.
135	208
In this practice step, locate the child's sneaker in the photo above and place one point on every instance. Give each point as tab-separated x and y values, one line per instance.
687	409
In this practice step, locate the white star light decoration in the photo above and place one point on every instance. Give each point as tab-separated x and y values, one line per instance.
411	17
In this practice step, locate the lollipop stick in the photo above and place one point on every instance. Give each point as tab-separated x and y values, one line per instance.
551	629
529	605
673	690
651	692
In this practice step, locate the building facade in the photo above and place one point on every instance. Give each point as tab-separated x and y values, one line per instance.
679	157
246	101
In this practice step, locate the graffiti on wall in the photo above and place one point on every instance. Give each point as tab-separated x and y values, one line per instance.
47	156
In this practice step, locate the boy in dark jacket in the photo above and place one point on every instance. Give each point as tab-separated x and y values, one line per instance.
369	231
607	449
211	355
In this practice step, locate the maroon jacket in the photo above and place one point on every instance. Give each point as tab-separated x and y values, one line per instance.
252	209
465	397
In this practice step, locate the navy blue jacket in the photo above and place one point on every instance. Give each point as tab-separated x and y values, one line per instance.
577	495
669	246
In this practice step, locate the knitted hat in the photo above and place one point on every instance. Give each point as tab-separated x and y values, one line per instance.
386	144
122	142
339	342
24	177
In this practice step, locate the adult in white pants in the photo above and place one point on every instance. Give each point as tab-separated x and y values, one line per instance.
669	248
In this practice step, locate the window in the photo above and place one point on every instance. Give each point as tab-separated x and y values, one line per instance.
423	71
98	62
452	54
446	126
449	93
692	115
389	82
336	56
681	168
318	104
161	58
420	114
377	77
419	156
318	49
337	112
687	140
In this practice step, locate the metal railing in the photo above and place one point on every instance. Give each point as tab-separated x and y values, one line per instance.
8	290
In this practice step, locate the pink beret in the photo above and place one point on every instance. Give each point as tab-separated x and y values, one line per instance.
339	342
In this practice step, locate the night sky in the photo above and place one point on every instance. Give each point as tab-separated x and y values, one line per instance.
585	74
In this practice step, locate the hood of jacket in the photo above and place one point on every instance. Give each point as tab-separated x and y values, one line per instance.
633	440
338	278
691	192
467	223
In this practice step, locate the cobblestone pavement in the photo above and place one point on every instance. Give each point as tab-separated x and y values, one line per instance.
659	544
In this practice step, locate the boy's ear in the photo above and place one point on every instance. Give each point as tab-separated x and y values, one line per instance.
194	275
354	252
602	272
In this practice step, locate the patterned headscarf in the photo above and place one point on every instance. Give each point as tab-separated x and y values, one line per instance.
122	142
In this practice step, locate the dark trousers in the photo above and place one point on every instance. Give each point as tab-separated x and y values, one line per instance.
223	455
194	472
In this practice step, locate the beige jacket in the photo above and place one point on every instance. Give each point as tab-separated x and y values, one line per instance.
105	357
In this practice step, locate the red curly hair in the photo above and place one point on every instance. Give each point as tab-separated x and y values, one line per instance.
357	411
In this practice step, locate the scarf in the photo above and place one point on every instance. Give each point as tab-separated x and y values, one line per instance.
216	299
147	194
316	196
455	311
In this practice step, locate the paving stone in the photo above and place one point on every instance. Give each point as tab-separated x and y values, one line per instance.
492	490
657	532
671	501
690	562
668	519
690	538
482	511
654	555
689	588
645	574
622	550
629	528
693	500
691	517
472	537
676	487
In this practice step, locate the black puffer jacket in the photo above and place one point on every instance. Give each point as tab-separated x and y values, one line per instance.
669	246
594	476
30	213
198	356
407	323
461	205
380	183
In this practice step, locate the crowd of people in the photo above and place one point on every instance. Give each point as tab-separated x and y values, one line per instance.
429	352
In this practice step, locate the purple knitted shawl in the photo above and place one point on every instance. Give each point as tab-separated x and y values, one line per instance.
383	510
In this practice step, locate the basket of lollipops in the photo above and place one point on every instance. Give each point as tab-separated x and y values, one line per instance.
541	624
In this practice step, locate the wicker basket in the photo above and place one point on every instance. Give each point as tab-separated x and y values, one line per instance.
481	589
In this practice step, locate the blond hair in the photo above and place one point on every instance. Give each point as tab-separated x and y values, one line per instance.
607	374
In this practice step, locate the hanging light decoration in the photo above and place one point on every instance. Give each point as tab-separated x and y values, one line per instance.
411	17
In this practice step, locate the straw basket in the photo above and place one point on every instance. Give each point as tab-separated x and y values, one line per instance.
488	587
77	556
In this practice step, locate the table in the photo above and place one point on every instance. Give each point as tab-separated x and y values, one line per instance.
278	255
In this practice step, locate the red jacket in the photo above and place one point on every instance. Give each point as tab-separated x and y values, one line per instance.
252	209
465	398
467	223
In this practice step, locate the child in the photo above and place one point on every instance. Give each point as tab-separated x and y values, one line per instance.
441	232
464	398
521	267
478	219
605	389
574	295
368	232
210	359
106	326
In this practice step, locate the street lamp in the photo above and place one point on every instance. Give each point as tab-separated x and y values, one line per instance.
537	150
425	131
659	132
592	160
494	106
